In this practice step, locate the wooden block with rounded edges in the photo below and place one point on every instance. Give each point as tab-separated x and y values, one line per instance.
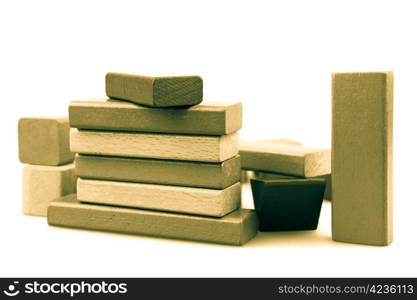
157	171
166	91
236	228
327	177
44	141
160	146
284	158
362	107
196	201
209	118
42	184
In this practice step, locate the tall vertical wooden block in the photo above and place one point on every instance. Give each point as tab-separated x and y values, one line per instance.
362	158
42	184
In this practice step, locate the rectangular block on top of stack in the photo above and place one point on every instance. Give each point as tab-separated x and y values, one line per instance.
177	166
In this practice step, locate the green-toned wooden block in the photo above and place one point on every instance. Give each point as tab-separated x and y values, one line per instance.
160	146
327	177
282	141
209	118
284	158
288	204
170	172
362	158
44	141
155	91
42	184
180	199
236	228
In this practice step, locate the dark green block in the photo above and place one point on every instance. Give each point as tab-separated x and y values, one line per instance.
288	204
327	177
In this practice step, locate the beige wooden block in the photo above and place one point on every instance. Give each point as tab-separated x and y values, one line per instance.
246	176
208	118
44	141
42	184
197	201
236	228
284	158
162	146
159	91
282	141
169	172
362	158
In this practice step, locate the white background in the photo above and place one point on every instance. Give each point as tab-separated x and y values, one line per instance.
275	57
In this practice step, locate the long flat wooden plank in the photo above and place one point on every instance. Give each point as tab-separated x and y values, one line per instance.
167	91
43	184
169	172
362	158
189	200
284	158
161	146
236	228
209	118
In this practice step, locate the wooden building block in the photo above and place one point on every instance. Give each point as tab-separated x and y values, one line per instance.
44	141
362	158
236	228
327	177
288	204
162	146
282	141
210	118
169	172
42	184
155	91
196	201
284	158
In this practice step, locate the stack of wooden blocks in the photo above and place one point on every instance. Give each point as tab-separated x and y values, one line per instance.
152	160
49	173
164	165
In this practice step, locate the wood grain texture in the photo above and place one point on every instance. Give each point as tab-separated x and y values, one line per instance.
362	158
284	158
288	204
209	118
236	228
166	91
44	141
169	172
282	141
196	201
162	146
42	184
327	178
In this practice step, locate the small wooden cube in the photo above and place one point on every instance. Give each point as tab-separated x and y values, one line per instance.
288	204
166	91
44	141
42	184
